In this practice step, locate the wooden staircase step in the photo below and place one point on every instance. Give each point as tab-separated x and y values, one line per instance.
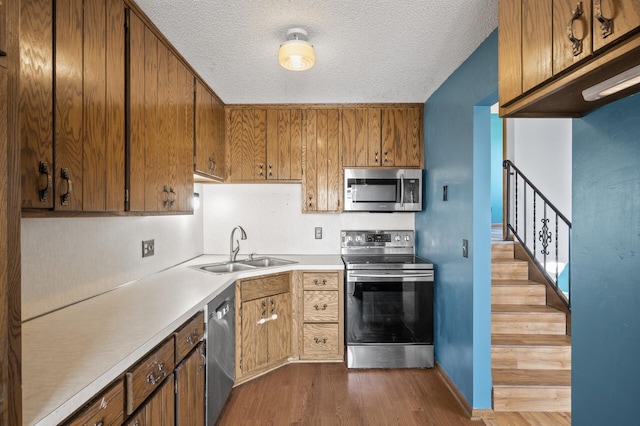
509	269
502	250
532	390
518	292
531	352
527	319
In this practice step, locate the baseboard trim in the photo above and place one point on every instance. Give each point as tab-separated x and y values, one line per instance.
472	413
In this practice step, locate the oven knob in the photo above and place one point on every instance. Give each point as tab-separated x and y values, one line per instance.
397	237
358	238
407	238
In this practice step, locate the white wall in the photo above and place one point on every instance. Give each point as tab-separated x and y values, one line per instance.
271	214
65	260
541	149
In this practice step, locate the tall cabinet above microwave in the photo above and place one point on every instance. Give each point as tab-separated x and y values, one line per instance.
383	190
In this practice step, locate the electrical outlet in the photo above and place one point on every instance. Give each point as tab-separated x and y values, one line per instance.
318	232
148	247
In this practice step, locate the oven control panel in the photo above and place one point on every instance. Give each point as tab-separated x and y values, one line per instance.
388	239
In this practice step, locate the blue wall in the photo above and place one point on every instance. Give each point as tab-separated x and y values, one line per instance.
605	292
457	154
496	169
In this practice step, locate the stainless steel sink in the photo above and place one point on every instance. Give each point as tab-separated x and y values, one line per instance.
263	262
241	265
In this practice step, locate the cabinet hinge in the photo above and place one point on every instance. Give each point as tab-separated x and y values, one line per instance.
240	312
126	19
126	195
240	363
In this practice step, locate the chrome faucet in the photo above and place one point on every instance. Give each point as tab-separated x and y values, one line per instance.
234	252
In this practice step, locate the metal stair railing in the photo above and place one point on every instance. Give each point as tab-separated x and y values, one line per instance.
529	214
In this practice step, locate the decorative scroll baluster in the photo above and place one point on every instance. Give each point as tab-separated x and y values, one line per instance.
534	225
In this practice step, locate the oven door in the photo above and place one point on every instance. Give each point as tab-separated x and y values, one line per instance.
385	307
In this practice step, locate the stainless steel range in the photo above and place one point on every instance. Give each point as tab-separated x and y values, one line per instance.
389	301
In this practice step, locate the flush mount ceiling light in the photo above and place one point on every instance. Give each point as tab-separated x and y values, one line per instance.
296	54
613	85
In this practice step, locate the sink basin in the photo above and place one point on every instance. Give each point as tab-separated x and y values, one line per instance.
223	268
241	265
263	262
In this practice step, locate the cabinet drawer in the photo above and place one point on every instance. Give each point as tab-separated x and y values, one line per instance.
188	336
320	339
148	374
107	409
264	286
320	281
321	306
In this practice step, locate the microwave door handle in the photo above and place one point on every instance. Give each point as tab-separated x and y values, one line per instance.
402	190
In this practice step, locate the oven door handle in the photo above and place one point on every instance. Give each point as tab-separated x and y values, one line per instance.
404	276
402	190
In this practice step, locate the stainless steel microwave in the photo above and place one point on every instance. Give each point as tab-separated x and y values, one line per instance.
383	190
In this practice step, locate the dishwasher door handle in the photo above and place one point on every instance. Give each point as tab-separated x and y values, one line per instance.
222	311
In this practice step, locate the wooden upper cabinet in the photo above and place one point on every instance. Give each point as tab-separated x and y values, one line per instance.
36	103
510	50
210	134
162	117
322	162
402	137
613	20
264	144
537	43
247	144
360	135
572	41
284	144
88	141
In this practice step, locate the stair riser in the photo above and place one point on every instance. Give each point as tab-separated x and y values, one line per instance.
518	398
502	251
532	358
508	323
510	271
518	295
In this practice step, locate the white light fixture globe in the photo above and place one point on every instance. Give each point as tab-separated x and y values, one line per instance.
296	54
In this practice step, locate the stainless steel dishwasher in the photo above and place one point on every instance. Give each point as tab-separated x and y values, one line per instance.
221	352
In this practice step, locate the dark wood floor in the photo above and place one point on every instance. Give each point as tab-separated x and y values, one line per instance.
330	394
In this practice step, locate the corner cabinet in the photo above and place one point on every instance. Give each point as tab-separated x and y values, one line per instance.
161	132
263	318
549	51
209	134
86	103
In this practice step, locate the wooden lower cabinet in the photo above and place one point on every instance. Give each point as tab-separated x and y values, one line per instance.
190	388
263	321
159	410
322	308
107	409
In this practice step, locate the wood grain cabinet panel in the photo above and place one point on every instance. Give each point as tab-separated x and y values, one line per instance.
187	337
322	162
190	388
620	18
247	144
161	134
510	50
573	16
537	43
88	140
107	409
159	410
360	134
320	281
320	306
284	144
210	134
321	340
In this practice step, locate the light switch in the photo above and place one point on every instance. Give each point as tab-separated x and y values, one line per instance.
445	193
465	248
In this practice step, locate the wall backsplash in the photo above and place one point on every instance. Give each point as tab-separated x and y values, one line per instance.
271	214
65	260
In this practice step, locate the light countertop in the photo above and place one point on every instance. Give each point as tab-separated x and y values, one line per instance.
71	354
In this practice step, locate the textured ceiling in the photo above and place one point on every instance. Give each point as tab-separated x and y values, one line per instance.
366	51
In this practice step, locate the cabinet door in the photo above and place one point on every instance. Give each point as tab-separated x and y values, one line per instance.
254	335
159	409
184	139
613	19
570	17
360	135
247	145
106	410
89	108
322	161
210	155
537	43
279	329
36	103
402	137
284	144
190	384
509	50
